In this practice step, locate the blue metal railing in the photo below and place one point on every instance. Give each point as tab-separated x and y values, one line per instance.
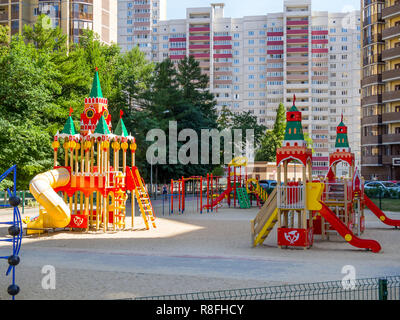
14	230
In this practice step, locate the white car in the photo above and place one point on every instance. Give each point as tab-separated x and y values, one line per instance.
384	185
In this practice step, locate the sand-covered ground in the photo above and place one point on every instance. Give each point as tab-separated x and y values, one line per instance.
185	253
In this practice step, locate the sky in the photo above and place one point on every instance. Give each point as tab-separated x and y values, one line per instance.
176	9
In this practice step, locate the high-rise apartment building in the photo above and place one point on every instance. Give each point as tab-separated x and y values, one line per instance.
256	62
137	21
71	15
380	103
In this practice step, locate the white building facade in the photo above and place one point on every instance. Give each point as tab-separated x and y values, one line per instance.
256	62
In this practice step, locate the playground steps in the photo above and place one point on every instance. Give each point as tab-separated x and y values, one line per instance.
265	220
143	199
243	198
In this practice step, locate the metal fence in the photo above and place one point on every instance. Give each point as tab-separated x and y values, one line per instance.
384	288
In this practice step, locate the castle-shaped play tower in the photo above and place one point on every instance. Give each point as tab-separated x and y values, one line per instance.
304	208
90	191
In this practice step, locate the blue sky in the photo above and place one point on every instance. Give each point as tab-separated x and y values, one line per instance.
176	9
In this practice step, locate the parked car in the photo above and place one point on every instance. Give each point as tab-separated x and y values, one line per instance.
268	184
384	185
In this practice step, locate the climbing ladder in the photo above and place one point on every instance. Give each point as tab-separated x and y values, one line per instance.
265	220
142	197
243	197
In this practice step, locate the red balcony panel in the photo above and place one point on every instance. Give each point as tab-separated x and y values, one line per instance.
320	158
223	47
177	57
297	23
319	33
177	39
305	31
274	51
200	29
296	41
320	41
222	55
199	46
200	55
275	43
223	38
199	38
321	168
177	49
320	50
275	34
295	50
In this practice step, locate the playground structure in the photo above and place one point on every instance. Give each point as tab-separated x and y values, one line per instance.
305	208
95	180
209	193
14	230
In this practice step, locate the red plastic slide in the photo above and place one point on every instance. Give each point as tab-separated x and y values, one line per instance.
219	199
346	233
378	212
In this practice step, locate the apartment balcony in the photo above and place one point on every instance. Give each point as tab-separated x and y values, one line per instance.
199	38
297	77
223	47
274	34
391	139
371	120
177	39
297	22
392	32
4	16
199	46
275	43
297	32
297	50
371	160
375	79
371	140
274	51
320	41
222	55
297	41
320	33
372	39
321	50
391	117
391	96
371	100
177	56
388	160
297	59
391	12
199	29
297	68
201	55
391	54
391	75
222	38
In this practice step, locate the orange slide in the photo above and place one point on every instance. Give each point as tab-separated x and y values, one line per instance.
378	212
346	233
221	197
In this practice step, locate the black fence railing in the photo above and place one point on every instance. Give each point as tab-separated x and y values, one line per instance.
384	288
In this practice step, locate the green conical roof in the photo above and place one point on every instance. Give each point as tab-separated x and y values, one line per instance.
96	87
294	131
102	127
69	127
120	130
294	109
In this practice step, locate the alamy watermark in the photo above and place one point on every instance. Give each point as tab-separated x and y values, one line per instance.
198	150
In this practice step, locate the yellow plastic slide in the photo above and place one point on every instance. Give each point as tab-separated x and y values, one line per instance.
56	213
265	220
